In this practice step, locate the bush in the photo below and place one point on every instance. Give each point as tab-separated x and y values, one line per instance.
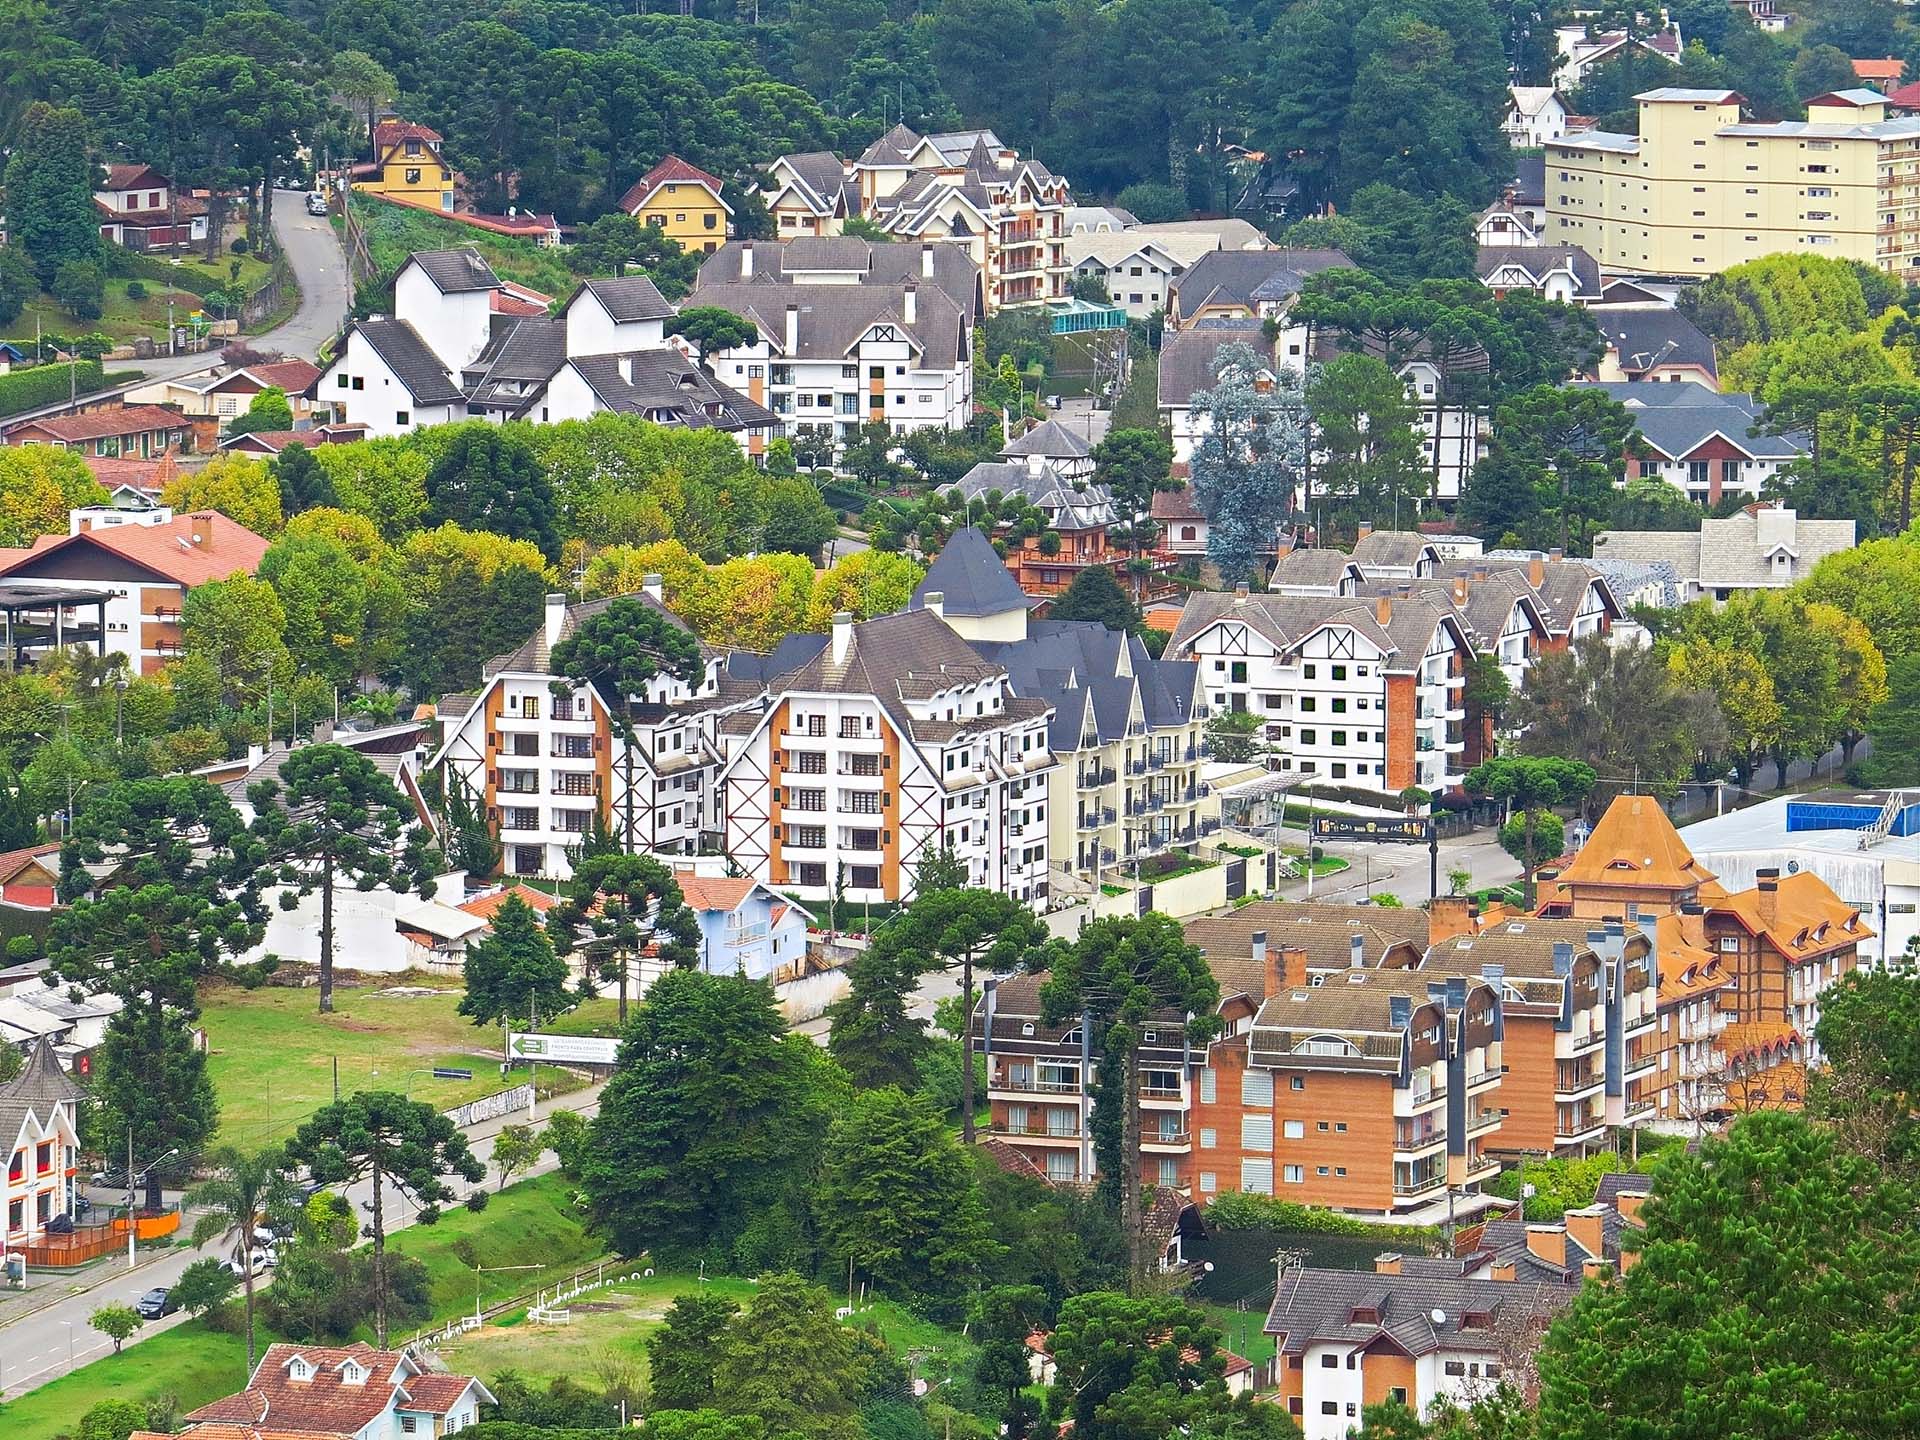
136	290
80	287
47	384
18	283
112	1420
1237	1210
239	245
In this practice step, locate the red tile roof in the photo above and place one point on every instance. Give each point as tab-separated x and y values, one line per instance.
1178	504
291	376
436	1394
145	177
503	303
270	442
141	474
12	862
225	546
712	892
1888	69
674	169
392	132
99	424
485	907
325	1404
1907	97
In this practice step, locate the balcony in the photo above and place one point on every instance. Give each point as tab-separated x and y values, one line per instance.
1482	1167
1482	1121
1481	1079
1092	777
1413	1138
1410	1185
1577	1132
1642	1064
1136	767
1166	1142
1581	1041
1033	1130
1032	1085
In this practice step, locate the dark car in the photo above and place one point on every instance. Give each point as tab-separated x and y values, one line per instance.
156	1303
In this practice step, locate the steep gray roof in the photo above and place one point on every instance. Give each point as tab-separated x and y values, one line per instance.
399	345
1310	567
1644	337
1069	504
1563	584
1539	260
972	579
1735	550
1319	1306
666	386
1051	439
831	319
822	172
456	271
37	1089
523	355
1240	277
1675	419
630	297
1186	359
1400	549
1083	669
778	262
1285	620
891	148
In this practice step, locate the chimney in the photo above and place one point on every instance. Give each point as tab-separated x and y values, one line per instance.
556	617
654	586
1448	916
1459	589
1588	1226
1387	1264
1283	547
1596	1270
1628	1203
1363	529
1502	1270
793	329
935	601
1548	1243
1383	608
1767	890
1272	973
908	310
746	259
1357	952
1536	570
842	632
1240	593
1293	968
626	370
926	260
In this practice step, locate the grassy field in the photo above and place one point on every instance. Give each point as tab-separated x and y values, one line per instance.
271	1053
191	1362
532	1223
394	231
1243	1332
124	318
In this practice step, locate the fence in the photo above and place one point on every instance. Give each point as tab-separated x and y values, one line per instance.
547	1298
90	1242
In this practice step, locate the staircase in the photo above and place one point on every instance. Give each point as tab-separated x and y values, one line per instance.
1883	823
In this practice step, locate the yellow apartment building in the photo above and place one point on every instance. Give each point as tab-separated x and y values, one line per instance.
1699	189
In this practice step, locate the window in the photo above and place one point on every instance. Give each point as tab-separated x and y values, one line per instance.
1295	1129
1256	1177
400	417
863	877
1329	1361
1256	1087
1296	1082
1256	1132
1208	1084
1295	1174
1209	1137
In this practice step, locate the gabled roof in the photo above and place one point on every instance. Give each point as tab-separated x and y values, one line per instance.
1645	338
413	364
628	298
667	387
109	420
225	547
672	170
1244	277
830	320
523	355
1536	262
971	578
1285	620
1186	358
39	1088
392	132
1397	549
1070	504
133	177
1051	439
326	1403
945	264
455	272
1799	916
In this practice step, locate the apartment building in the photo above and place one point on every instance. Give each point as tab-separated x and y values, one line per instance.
1367	692
886	737
1582	1033
1695	1010
965	186
546	767
1702	441
138	576
832	356
450	351
1348	1339
40	1122
1698	189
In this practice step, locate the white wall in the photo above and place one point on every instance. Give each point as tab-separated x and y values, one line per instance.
455	327
592	331
379	399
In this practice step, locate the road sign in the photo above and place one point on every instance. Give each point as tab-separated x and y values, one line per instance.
563	1049
1409	831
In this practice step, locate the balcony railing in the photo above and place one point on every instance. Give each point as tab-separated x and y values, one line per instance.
1031	1085
1035	1130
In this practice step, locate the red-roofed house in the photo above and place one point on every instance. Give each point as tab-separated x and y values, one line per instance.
352	1390
211	401
1881	75
272	442
122	431
684	201
138	208
745	927
148	569
485	907
28	877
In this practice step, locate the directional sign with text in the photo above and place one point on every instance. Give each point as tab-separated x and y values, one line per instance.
563	1049
1411	831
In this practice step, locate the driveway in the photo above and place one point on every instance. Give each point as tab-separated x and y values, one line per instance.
47	1344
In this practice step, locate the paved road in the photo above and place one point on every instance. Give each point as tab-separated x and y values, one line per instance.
47	1344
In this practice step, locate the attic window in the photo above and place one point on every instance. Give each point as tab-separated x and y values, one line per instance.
1365	1315
298	1369
1026	1028
352	1374
1476	1320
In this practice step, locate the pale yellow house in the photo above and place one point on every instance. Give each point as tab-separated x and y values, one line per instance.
1699	189
685	202
407	166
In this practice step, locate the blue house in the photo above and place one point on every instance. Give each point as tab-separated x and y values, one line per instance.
745	927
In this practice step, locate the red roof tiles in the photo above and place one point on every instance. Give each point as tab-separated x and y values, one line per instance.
223	547
671	169
392	132
103	423
485	907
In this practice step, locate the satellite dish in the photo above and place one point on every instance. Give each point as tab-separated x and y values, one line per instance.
1439	1317
1793	867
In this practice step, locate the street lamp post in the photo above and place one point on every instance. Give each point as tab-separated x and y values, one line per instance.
133	1180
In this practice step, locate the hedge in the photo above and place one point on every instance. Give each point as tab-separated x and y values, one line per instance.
51	383
1237	1210
181	277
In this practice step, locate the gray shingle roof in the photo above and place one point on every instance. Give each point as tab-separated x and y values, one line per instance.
1240	277
1735	550
1538	260
1083	669
1324	931
666	387
630	298
832	319
1051	439
1284	620
1186	359
1068	504
1644	337
415	366
456	271
972	579
523	355
1310	567
777	262
1676	419
37	1089
1318	1306
1396	549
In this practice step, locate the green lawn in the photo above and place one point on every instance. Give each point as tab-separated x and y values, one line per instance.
531	1223
271	1053
121	318
395	231
192	1363
1242	1329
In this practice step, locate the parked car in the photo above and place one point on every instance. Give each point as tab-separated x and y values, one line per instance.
155	1303
82	1205
316	203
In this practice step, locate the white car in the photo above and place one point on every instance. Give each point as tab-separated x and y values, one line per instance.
259	1260
316	203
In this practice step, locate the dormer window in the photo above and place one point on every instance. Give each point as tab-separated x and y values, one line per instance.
1365	1315
352	1374
299	1369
